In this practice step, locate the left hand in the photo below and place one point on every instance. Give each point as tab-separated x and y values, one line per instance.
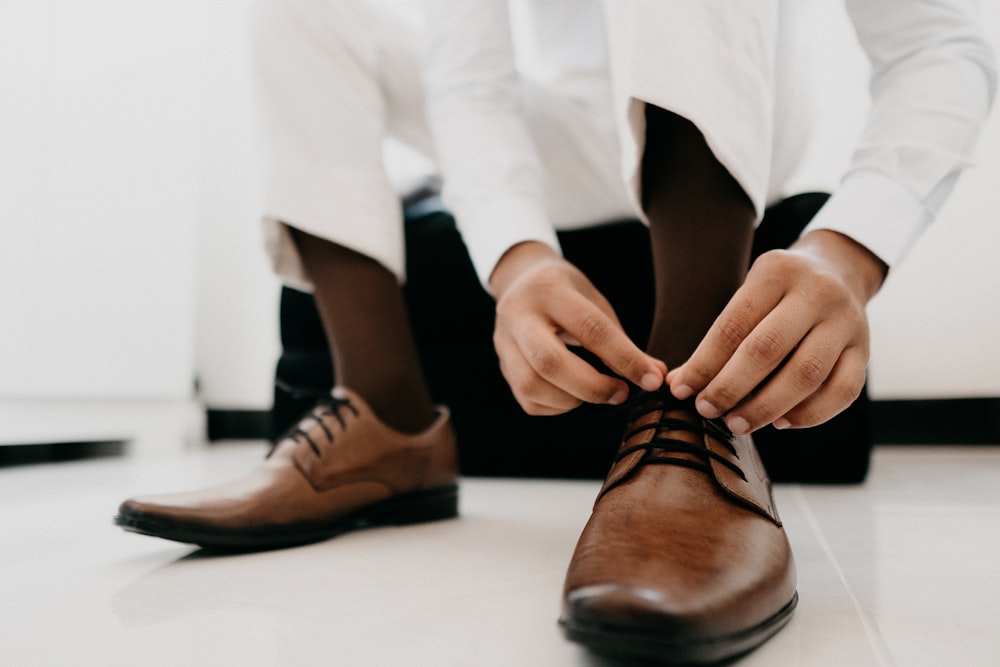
791	347
545	303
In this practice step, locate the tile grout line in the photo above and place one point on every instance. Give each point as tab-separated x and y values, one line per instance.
875	638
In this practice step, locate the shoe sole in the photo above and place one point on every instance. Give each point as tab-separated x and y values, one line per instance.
422	506
646	644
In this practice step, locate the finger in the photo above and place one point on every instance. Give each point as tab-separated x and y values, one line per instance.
550	360
799	377
843	386
535	395
583	321
760	353
594	296
751	304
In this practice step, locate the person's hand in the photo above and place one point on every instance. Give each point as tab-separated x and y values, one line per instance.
791	348
545	303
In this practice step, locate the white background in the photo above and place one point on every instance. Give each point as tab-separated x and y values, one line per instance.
130	256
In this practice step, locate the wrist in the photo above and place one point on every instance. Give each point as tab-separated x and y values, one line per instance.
861	269
518	259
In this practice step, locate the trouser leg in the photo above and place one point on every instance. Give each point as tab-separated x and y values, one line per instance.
334	79
708	61
701	230
694	82
333	220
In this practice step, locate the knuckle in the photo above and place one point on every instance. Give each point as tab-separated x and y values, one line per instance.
523	386
809	372
506	308
766	347
846	391
756	413
626	364
594	330
723	395
546	362
732	331
806	417
765	415
777	261
695	376
598	394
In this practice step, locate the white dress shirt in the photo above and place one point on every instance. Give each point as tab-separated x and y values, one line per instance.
932	83
933	80
495	178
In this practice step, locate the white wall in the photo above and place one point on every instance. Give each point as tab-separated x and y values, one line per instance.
237	302
936	323
127	133
100	194
98	135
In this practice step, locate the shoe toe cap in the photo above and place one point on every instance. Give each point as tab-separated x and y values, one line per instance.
633	606
669	613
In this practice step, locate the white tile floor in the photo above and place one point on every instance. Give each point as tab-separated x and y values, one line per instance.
902	571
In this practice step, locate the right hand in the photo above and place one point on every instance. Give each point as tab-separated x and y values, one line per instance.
545	303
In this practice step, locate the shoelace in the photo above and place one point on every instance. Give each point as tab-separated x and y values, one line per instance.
326	405
659	449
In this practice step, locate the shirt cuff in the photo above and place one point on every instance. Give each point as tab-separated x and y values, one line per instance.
499	225
875	211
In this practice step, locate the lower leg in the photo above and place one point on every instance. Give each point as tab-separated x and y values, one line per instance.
701	227
364	317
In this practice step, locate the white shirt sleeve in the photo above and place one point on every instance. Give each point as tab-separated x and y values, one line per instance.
933	80
494	181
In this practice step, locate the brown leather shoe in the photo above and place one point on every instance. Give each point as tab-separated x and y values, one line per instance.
339	469
684	560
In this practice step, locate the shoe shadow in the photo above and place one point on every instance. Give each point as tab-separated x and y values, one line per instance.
588	659
436	584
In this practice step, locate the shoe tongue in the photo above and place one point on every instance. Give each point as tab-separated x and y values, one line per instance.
310	426
282	450
624	467
692	436
677	432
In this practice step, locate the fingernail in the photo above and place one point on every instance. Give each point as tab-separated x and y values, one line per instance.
683	392
706	409
651	381
738	425
619	396
781	424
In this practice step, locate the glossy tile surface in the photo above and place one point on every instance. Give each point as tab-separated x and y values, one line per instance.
902	571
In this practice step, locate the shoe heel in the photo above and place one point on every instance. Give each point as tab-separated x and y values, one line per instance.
433	505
